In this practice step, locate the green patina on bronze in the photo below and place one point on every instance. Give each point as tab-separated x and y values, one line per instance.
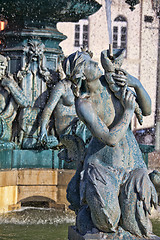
33	117
46	12
111	192
43	115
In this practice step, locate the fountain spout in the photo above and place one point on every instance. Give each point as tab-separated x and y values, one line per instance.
111	51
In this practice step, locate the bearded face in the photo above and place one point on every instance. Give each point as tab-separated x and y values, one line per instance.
34	51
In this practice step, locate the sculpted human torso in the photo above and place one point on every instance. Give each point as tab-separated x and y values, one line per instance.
61	105
108	107
101	111
109	110
64	112
111	187
3	98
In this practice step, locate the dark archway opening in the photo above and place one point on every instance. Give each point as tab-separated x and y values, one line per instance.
37	201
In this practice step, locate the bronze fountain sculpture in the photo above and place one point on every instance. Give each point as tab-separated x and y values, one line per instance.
34	57
111	191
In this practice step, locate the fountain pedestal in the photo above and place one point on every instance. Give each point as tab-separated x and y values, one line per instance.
31	43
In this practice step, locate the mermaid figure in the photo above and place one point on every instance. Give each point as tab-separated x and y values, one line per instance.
111	189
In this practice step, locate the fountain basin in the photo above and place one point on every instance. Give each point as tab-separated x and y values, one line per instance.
46	12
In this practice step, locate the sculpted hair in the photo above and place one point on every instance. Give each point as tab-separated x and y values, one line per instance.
73	67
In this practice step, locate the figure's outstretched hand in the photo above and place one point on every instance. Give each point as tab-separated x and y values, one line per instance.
22	74
43	136
5	81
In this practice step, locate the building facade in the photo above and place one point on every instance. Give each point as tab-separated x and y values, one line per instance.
136	31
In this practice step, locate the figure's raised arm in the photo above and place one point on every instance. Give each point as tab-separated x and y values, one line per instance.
15	90
54	98
143	98
96	125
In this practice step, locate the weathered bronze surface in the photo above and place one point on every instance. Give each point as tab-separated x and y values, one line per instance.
155	178
46	12
11	97
111	189
31	45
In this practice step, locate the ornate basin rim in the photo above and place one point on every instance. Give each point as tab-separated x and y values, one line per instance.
47	12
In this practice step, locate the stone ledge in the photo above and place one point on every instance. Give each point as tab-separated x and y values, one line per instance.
74	235
29	177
